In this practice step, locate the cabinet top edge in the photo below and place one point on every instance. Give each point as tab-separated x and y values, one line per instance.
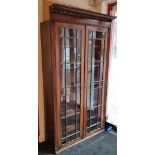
77	12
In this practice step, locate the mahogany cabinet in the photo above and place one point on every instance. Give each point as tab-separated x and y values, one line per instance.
75	46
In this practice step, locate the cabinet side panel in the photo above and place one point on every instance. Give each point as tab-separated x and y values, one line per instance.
107	71
47	82
41	119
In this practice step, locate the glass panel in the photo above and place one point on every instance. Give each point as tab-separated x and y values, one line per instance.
90	50
73	72
100	96
94	112
90	34
69	45
71	125
88	98
70	106
95	97
70	32
63	141
96	35
93	120
97	50
93	128
88	121
99	125
70	101
62	75
70	73
77	122
88	130
70	138
78	99
62	32
100	35
79	33
63	106
70	48
70	98
78	50
95	71
71	90
101	70
63	123
95	79
77	135
99	114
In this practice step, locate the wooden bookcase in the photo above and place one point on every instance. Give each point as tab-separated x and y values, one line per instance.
75	46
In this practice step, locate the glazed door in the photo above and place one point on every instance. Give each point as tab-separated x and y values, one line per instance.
80	54
95	71
70	40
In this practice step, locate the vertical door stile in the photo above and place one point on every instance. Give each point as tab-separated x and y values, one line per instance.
65	85
85	55
58	124
105	79
82	80
76	88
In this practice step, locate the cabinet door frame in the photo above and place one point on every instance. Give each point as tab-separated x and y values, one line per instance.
105	73
58	25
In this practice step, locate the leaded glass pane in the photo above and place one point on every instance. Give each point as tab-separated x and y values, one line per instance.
95	79
70	73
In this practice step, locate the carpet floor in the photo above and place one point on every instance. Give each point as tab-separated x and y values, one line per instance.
104	143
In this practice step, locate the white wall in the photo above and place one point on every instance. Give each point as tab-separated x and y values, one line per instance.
105	5
111	109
